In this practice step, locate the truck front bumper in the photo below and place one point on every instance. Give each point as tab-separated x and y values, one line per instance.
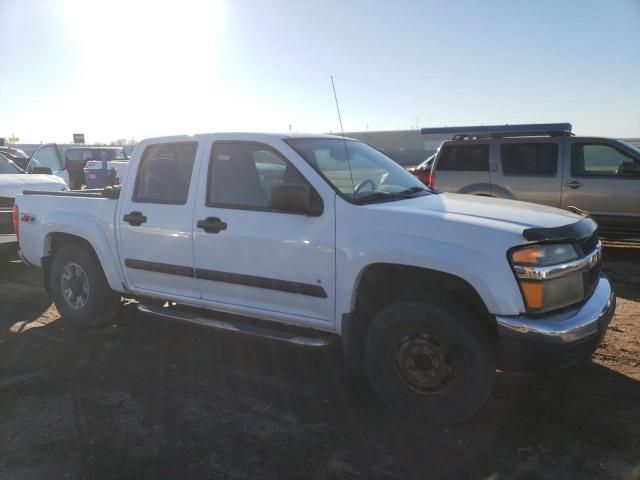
532	343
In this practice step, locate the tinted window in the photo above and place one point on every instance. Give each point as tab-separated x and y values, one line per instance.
46	157
469	158
529	158
74	155
243	174
597	159
164	174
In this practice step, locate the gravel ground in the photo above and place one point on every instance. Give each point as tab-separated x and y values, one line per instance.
146	398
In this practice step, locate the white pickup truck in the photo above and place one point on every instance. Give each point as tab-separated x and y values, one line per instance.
307	239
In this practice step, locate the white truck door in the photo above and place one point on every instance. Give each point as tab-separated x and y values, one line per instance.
155	218
251	256
48	156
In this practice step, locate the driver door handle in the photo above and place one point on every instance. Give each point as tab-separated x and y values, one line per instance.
135	219
212	225
575	184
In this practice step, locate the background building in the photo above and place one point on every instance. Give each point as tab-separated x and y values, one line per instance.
407	147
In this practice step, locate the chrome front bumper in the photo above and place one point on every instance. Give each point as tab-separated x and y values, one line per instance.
589	319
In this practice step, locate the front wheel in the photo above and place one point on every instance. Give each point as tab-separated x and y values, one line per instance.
79	288
430	360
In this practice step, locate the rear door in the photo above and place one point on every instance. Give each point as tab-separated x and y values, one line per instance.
463	168
528	171
155	218
595	181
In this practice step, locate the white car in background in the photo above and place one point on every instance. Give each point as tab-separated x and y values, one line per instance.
13	181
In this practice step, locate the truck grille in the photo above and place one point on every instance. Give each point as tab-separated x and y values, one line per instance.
589	245
590	277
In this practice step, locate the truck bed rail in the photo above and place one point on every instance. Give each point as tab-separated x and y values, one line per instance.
109	192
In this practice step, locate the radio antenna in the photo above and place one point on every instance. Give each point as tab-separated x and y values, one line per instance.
344	140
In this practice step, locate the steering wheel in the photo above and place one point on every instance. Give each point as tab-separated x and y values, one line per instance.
362	184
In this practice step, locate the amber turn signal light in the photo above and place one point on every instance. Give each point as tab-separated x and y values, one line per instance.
533	293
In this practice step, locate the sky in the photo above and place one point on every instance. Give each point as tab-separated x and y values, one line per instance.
138	68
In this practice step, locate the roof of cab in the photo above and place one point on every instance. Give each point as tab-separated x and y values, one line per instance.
245	136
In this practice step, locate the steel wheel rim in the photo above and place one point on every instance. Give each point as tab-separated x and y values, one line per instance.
74	286
424	364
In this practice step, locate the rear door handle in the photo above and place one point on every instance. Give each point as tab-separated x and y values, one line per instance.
212	225
575	184
135	219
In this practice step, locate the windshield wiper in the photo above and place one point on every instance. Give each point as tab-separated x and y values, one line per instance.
412	190
377	196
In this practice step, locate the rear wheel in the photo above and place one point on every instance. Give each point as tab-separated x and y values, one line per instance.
79	288
430	360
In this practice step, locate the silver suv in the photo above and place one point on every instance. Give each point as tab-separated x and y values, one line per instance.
551	167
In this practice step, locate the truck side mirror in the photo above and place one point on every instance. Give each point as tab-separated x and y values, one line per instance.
631	169
295	198
42	170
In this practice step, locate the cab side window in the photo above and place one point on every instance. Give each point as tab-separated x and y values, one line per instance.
468	158
597	160
242	174
164	174
46	156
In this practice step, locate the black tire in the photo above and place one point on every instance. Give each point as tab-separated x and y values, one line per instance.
101	304
430	337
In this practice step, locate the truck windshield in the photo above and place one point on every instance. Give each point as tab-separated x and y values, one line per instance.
358	172
630	145
7	166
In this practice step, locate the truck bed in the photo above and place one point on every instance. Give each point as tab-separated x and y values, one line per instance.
80	213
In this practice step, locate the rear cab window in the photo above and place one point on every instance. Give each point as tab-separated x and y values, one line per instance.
529	159
164	173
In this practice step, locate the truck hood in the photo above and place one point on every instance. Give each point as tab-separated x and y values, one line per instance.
520	215
13	184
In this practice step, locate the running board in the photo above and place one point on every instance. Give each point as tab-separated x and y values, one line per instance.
237	326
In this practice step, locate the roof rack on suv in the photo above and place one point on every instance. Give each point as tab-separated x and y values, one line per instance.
501	131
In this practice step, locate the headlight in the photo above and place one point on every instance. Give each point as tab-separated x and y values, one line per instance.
542	255
546	277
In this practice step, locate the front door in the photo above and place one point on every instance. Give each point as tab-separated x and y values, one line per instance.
248	255
595	180
48	156
154	220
